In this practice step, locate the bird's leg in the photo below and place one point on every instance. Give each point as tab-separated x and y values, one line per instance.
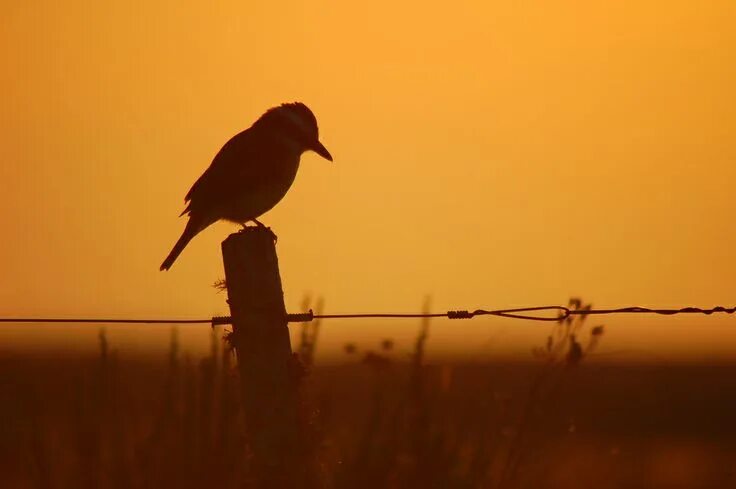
261	225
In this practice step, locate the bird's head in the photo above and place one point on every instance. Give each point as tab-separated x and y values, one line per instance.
298	124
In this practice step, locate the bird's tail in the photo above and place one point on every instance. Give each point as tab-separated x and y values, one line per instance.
193	227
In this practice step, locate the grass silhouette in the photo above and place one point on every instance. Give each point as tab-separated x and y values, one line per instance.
378	421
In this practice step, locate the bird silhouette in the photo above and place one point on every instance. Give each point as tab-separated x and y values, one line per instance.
251	173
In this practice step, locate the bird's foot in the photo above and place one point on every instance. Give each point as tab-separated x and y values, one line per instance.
261	225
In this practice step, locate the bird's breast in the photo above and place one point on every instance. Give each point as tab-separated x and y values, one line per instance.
258	197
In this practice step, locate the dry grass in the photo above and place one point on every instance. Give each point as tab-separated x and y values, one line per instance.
376	422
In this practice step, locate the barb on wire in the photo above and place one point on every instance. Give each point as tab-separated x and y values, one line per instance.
526	313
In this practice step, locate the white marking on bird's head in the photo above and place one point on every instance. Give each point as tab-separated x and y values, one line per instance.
300	115
295	118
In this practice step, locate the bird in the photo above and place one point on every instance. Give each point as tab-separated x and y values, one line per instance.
251	173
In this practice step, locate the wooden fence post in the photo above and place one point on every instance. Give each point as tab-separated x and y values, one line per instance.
265	361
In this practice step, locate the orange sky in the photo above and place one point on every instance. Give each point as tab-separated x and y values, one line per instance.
490	154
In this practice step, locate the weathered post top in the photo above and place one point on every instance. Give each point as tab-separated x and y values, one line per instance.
253	279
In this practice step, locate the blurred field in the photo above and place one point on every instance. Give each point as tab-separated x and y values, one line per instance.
379	420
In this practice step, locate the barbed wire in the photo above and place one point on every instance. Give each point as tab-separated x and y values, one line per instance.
524	313
106	320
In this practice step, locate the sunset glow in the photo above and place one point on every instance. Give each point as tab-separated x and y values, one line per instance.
488	154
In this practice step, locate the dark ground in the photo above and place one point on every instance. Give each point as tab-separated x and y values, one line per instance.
108	421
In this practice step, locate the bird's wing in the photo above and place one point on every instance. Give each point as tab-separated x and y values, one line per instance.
237	168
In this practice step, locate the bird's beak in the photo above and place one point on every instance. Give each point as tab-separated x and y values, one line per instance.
322	151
